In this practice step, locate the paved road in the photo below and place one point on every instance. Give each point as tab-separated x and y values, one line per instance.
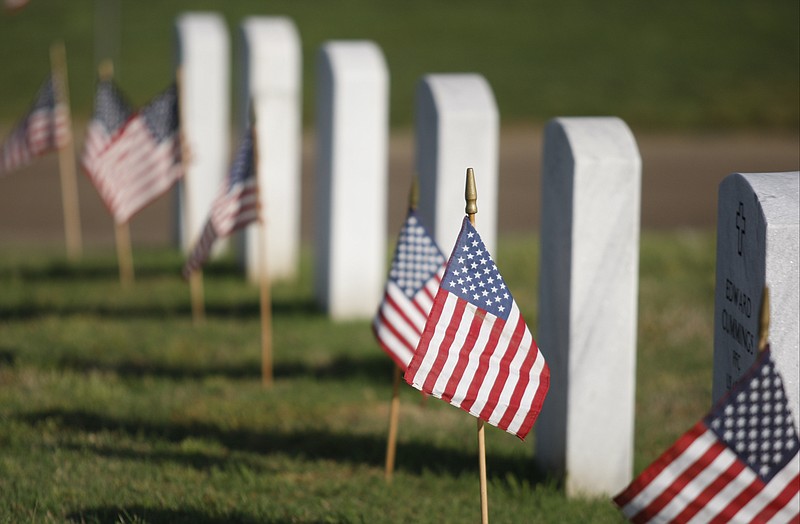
681	174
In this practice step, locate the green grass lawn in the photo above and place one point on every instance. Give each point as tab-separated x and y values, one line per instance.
658	65
114	407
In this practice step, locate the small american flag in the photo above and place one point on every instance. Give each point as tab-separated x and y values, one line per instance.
44	128
417	269
738	464
476	351
14	5
132	158
235	207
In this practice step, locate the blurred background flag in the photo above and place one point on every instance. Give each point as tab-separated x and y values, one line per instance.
14	5
738	464
235	207
44	128
416	271
476	351
132	158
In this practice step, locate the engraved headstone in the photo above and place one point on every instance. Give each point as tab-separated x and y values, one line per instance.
457	126
351	178
203	58
588	289
271	71
758	244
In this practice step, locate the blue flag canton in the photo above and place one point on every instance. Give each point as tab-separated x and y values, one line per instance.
472	275
110	107
416	259
756	422
46	97
161	115
243	166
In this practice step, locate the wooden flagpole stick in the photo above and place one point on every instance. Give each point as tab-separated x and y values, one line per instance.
394	415
122	231
196	292
471	196
394	406
264	281
266	314
124	253
66	155
197	296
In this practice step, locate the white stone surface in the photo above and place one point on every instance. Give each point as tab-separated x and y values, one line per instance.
271	73
203	50
758	243
351	178
588	294
457	126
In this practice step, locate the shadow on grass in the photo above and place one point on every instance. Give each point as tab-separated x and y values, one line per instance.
242	309
141	369
374	368
106	270
134	514
412	457
144	267
7	357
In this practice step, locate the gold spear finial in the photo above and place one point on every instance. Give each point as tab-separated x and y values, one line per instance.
471	196
413	194
763	321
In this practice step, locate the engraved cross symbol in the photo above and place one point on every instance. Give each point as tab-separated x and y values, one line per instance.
740	225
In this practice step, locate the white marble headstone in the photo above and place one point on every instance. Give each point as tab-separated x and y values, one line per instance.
588	294
457	126
271	72
351	178
203	51
758	243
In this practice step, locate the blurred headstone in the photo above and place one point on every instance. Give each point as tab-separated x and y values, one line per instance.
457	126
758	244
203	58
271	72
351	179
588	290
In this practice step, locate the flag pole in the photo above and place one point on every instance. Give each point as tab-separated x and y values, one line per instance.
122	231
196	291
394	413
264	281
471	197
66	154
394	406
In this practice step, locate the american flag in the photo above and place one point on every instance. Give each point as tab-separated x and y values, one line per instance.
14	5
476	351
44	128
417	268
738	464
132	158
235	207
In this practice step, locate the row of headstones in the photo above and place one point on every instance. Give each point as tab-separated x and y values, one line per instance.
457	125
591	185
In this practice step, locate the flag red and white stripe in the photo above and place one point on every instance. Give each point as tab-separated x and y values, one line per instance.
414	277
236	206
476	351
738	464
132	160
44	128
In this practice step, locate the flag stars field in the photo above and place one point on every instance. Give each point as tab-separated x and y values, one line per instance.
474	277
